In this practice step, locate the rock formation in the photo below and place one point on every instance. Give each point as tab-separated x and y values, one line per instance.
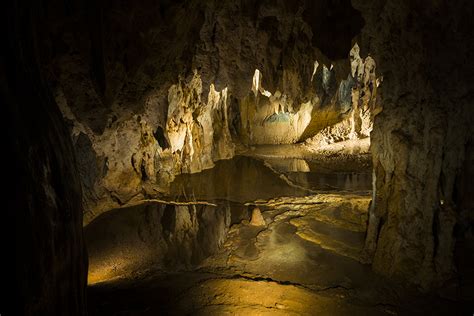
257	218
330	109
358	94
421	136
142	112
180	95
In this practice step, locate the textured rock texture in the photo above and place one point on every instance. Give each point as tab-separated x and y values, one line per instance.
257	218
334	109
424	51
358	94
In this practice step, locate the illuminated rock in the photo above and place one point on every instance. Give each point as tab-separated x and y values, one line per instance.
257	218
148	111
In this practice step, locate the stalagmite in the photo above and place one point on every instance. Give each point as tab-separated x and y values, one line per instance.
257	218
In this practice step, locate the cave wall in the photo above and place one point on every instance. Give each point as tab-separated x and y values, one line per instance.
424	51
44	202
328	111
158	89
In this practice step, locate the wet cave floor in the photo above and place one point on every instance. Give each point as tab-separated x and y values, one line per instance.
302	256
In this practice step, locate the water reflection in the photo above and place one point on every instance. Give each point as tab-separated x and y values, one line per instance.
240	179
125	241
171	237
245	179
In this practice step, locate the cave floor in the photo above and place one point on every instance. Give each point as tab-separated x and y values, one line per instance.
305	258
304	261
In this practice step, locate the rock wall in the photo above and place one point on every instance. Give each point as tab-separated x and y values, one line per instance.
130	160
424	51
198	131
43	246
358	97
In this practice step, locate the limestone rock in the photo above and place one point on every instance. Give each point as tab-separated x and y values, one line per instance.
419	139
147	108
359	93
257	218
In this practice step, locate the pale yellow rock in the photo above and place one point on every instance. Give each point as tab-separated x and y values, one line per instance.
257	218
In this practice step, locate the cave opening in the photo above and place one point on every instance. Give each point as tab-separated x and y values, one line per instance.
249	157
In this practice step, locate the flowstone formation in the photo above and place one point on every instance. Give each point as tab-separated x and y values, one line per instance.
198	131
329	111
130	161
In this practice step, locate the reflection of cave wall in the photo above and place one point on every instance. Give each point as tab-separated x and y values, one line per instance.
164	237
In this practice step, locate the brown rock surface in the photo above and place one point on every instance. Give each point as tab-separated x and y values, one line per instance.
419	139
257	218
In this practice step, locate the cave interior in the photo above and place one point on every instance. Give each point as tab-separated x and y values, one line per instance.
246	157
